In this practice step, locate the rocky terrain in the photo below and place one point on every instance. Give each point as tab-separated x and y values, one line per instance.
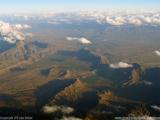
101	76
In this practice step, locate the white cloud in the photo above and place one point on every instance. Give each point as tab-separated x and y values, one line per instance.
21	27
125	18
53	22
54	108
82	40
115	21
11	33
134	21
120	65
70	118
50	109
155	107
147	82
64	110
157	52
67	110
112	18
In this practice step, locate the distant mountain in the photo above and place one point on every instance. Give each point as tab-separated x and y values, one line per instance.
22	51
128	76
19	52
4	46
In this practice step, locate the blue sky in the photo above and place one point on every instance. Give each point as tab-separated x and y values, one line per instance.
60	5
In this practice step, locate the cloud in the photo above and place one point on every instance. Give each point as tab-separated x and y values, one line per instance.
157	52
134	21
21	27
70	118
120	65
67	110
25	17
119	19
115	21
147	82
50	109
155	107
112	18
64	110
53	22
82	40
54	108
12	33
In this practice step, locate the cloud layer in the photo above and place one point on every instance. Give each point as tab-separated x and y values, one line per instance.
124	18
131	19
112	18
120	65
82	40
12	33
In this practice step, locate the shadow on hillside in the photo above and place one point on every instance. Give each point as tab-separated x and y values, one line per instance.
44	94
117	75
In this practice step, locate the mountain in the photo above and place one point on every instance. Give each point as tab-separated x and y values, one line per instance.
71	93
52	75
4	46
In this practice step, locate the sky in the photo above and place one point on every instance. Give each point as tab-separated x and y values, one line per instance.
7	6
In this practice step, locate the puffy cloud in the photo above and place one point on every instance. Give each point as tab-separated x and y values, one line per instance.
82	40
50	109
67	110
54	108
155	107
120	65
11	33
64	110
115	21
134	21
70	118
147	82
21	27
157	52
